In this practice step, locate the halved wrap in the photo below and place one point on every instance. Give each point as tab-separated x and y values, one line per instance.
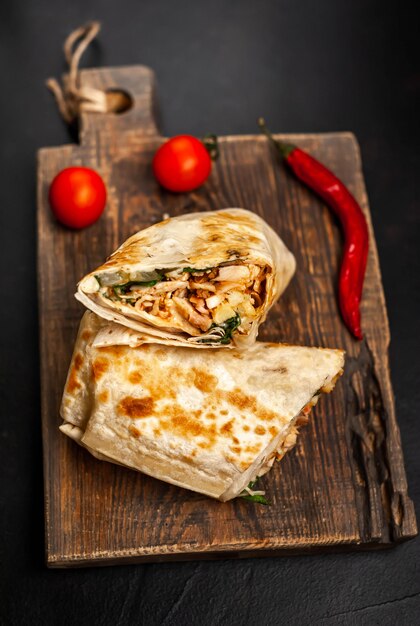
210	422
203	279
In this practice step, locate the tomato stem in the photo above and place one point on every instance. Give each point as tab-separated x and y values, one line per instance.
211	144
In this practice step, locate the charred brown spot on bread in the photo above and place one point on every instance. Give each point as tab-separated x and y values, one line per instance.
235	440
136	407
245	427
176	420
209	434
86	335
227	428
224	412
259	430
204	381
228	223
243	218
103	396
253	449
134	377
273	431
157	382
73	383
236	449
250	403
99	366
113	351
211	415
279	370
240	400
78	362
134	431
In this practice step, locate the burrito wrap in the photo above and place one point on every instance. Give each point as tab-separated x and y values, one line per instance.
210	423
203	279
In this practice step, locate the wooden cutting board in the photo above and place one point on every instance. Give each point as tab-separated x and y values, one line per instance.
344	484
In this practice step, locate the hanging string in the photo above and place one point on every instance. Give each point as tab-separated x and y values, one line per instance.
71	98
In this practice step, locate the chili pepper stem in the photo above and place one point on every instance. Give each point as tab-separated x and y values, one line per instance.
282	147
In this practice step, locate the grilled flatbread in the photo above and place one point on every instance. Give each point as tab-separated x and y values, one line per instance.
202	279
210	422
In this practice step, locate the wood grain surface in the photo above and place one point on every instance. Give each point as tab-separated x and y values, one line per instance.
344	485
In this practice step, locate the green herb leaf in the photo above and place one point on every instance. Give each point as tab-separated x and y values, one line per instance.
122	289
252	484
193	270
228	326
147	283
257	498
260	499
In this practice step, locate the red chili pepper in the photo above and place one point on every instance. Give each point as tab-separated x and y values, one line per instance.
356	236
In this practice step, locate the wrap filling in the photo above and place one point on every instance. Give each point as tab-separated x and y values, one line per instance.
209	303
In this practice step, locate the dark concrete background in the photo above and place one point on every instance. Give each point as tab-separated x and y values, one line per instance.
307	66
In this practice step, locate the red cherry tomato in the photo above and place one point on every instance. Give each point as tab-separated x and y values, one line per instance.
77	197
182	163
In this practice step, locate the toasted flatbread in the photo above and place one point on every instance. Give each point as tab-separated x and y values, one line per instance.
204	279
206	421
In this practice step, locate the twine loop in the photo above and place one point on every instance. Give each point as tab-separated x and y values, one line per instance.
71	98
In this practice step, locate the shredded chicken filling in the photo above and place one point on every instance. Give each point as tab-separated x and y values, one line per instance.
212	301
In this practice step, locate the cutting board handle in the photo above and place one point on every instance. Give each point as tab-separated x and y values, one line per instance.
130	88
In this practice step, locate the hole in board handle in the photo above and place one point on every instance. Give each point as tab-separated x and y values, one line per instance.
118	101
